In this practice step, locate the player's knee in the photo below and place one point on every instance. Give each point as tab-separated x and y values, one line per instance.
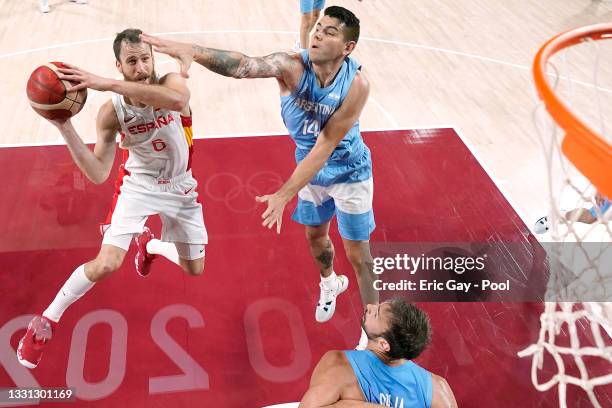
195	267
314	17
360	259
355	259
305	21
103	267
314	236
196	271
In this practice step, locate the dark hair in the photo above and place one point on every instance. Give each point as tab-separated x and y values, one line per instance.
409	332
346	17
130	36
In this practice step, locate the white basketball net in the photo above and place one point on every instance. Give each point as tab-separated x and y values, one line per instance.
576	325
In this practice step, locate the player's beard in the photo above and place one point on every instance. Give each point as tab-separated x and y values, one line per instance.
152	79
363	325
370	335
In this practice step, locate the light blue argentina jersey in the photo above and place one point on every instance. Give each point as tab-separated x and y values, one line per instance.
307	110
404	386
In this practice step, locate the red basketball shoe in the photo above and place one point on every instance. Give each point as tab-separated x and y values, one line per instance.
31	346
143	258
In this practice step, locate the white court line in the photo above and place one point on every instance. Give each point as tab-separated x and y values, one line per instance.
497	181
98	40
237	135
379	40
260	134
385	112
447	51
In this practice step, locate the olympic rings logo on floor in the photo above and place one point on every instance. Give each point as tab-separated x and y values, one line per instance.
239	195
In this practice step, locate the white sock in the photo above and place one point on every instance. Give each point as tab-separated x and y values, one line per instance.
76	286
330	280
165	249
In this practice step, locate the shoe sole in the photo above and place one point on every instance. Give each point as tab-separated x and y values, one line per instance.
23	362
137	270
26	363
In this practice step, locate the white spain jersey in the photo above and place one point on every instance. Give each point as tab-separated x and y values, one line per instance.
158	141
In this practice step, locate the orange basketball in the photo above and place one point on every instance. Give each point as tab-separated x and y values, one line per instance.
48	96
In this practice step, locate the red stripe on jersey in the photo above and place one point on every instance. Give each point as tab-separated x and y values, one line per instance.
186	121
190	156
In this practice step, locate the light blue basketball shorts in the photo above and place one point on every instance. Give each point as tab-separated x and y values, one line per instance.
605	206
350	202
306	6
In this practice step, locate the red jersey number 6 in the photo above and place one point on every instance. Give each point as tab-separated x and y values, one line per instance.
158	145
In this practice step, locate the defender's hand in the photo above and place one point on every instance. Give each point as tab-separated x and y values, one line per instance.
83	79
182	52
274	212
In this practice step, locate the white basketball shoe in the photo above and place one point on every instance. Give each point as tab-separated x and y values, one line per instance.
327	298
541	226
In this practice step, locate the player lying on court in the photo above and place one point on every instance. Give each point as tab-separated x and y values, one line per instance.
154	119
322	92
583	215
382	374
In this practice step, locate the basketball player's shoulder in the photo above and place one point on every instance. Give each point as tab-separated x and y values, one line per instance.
335	359
361	82
333	370
107	117
443	396
294	58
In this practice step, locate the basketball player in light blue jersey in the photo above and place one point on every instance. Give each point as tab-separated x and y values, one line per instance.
383	373
323	92
583	215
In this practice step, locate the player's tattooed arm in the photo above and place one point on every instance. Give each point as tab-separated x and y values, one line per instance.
287	68
237	65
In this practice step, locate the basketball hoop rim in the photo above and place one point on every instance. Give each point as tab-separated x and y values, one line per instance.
585	148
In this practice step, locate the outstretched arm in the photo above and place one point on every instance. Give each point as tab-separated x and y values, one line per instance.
280	65
95	165
171	93
334	131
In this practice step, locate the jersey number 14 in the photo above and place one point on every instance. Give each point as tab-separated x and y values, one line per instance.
311	126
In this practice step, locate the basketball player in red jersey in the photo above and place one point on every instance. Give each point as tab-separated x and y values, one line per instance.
154	120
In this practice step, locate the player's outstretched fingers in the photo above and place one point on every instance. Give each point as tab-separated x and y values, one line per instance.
149	39
279	221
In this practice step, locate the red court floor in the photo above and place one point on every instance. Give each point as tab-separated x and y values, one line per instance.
244	334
